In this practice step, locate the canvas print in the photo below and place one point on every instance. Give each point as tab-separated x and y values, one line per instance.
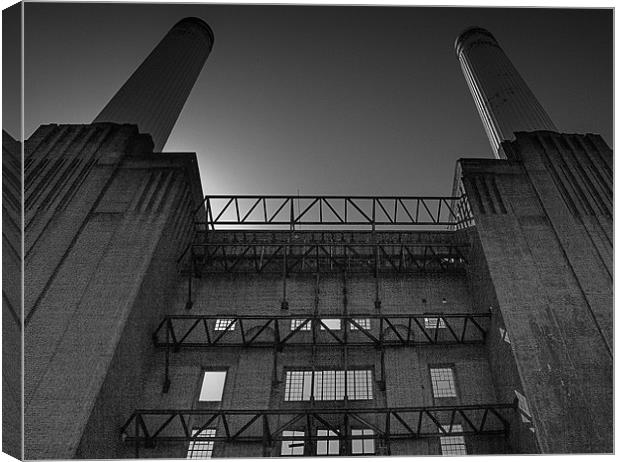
290	231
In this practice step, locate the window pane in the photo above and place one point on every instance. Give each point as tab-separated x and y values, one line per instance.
332	324
442	379
434	323
364	324
201	449
212	386
362	446
222	324
294	386
294	446
453	445
327	447
328	385
295	323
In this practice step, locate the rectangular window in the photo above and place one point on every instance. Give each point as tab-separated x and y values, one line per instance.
223	324
328	385
332	324
442	379
327	447
201	448
434	323
212	386
293	446
364	324
453	445
295	323
365	445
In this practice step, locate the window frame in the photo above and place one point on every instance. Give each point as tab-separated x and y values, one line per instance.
328	384
437	393
365	323
228	327
201	383
447	443
208	442
363	441
330	445
296	322
434	322
297	436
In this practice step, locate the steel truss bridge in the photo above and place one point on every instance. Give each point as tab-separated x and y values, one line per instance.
147	428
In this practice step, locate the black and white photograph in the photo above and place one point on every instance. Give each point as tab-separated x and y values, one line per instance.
306	230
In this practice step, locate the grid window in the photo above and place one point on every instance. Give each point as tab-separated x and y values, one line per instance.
295	323
294	446
362	446
442	379
223	324
328	385
298	386
201	448
434	323
212	386
327	447
364	324
453	445
332	324
359	384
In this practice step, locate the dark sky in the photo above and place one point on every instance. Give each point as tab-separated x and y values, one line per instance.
325	100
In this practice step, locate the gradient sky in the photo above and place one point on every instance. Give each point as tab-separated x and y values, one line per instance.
321	100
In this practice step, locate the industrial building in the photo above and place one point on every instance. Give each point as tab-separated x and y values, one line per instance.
161	323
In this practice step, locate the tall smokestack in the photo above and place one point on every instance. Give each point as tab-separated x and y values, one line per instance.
155	94
504	101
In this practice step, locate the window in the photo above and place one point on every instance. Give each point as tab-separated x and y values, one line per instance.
442	379
295	323
327	447
294	446
212	386
364	324
332	324
225	324
362	446
453	445
201	448
434	323
328	385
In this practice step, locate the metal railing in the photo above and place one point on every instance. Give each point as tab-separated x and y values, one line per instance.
318	212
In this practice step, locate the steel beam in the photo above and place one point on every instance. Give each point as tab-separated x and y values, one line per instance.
386	330
319	211
149	426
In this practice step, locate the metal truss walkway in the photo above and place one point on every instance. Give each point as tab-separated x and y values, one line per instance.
321	211
265	426
353	330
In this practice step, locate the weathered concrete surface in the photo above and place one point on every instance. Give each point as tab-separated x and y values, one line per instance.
12	366
544	225
101	260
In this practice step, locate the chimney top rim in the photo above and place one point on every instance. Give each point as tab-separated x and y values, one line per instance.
459	43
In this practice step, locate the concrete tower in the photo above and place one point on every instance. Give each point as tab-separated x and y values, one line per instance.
504	101
154	95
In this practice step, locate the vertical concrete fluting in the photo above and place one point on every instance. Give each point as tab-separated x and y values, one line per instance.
504	101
